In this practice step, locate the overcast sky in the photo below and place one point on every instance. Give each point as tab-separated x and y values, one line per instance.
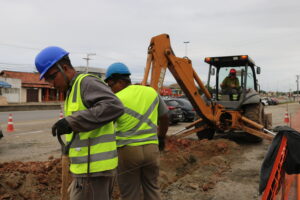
268	31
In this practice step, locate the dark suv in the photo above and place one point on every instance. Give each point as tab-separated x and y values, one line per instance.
1	134
187	108
175	112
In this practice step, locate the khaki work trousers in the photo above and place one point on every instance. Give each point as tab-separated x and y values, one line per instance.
138	172
92	188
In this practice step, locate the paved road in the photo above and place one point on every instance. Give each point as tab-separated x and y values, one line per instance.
25	116
31	139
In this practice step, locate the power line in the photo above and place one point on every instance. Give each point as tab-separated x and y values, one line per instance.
4	63
38	49
19	46
297	81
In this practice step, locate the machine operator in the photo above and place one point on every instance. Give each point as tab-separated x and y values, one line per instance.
230	84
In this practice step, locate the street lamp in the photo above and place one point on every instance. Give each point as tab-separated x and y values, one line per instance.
87	60
186	43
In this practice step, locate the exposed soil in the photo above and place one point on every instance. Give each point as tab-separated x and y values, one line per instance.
30	180
190	169
41	180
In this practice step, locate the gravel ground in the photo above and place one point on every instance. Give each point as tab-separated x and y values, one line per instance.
241	179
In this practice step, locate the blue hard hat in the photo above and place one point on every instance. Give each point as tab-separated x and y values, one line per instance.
47	58
117	68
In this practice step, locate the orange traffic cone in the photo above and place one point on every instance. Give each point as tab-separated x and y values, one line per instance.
61	115
10	124
286	118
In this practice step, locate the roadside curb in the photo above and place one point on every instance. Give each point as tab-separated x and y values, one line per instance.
27	107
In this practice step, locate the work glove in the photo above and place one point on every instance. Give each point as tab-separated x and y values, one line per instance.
61	127
161	143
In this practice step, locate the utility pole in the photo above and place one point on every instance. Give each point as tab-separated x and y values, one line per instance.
297	81
186	43
87	60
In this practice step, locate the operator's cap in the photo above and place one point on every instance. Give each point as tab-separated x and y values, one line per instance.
232	71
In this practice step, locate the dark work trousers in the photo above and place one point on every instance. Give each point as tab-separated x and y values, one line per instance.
92	188
138	171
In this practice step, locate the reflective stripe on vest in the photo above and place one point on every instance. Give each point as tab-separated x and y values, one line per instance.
101	141
138	135
95	157
143	119
132	141
93	141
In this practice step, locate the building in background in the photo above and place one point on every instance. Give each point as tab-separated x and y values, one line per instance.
24	87
10	90
172	90
27	87
166	91
92	70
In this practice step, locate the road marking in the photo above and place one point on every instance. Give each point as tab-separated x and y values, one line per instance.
25	133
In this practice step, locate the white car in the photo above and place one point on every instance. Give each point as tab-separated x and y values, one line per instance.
264	101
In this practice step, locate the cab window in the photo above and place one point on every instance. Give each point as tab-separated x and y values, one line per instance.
250	79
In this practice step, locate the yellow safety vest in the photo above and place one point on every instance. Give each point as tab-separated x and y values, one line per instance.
138	125
101	141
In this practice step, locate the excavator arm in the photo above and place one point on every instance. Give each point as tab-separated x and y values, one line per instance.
212	115
161	56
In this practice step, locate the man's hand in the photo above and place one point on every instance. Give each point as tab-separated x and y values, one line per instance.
61	127
161	143
232	85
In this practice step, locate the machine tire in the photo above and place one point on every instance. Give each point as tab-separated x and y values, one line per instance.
255	112
206	133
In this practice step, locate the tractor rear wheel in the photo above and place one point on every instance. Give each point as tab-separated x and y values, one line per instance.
254	112
206	133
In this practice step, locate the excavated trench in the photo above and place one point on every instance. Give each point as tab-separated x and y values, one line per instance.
41	180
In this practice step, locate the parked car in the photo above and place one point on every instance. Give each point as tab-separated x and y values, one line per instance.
1	133
189	112
264	101
274	101
269	101
175	112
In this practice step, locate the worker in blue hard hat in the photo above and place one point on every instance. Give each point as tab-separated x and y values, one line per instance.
90	109
140	134
115	72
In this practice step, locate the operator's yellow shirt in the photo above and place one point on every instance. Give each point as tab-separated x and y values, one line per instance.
229	81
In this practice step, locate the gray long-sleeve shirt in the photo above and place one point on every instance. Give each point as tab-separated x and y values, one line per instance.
102	105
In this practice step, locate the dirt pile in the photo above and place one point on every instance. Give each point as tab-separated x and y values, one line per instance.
41	180
30	180
184	156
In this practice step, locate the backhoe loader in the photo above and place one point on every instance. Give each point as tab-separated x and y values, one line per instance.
244	98
217	111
